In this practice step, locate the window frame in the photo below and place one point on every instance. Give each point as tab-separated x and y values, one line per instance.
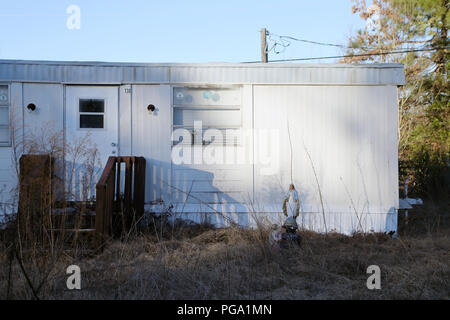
8	106
193	107
79	113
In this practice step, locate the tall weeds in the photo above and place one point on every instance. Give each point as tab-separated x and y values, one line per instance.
39	244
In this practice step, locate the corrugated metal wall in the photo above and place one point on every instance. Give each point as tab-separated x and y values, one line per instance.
151	137
343	136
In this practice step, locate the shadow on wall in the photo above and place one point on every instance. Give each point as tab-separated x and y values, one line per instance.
200	196
195	194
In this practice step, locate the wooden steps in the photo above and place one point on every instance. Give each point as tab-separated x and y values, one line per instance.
113	212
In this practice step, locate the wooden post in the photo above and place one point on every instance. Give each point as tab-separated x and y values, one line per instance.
264	54
35	197
108	188
100	213
139	187
105	205
128	192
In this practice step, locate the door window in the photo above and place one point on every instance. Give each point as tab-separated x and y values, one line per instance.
92	113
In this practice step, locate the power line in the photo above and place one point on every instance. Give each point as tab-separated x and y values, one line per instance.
354	55
310	41
283	42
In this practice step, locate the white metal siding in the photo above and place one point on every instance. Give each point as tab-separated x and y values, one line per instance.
48	117
351	136
151	137
125	105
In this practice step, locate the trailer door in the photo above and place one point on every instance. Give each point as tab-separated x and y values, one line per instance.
91	134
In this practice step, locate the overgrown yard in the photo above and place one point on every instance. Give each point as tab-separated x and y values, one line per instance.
198	262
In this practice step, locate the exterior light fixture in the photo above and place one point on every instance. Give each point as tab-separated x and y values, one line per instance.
151	107
31	107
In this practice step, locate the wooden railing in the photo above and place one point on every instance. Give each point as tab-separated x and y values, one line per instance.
116	213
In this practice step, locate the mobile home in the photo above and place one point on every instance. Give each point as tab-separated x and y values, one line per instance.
225	141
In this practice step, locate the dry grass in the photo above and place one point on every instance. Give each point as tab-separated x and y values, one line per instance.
198	262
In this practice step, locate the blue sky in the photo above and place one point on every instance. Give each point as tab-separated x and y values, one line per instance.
171	31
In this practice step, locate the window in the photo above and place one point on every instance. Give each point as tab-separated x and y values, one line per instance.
216	108
4	115
92	113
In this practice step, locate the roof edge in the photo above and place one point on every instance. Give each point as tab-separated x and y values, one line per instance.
203	65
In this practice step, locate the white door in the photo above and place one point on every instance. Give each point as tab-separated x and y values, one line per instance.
91	135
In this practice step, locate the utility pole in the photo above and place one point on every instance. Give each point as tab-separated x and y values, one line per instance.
264	54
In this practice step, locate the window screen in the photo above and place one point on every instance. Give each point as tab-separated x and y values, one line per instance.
209	117
4	115
92	113
91	121
92	105
216	108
